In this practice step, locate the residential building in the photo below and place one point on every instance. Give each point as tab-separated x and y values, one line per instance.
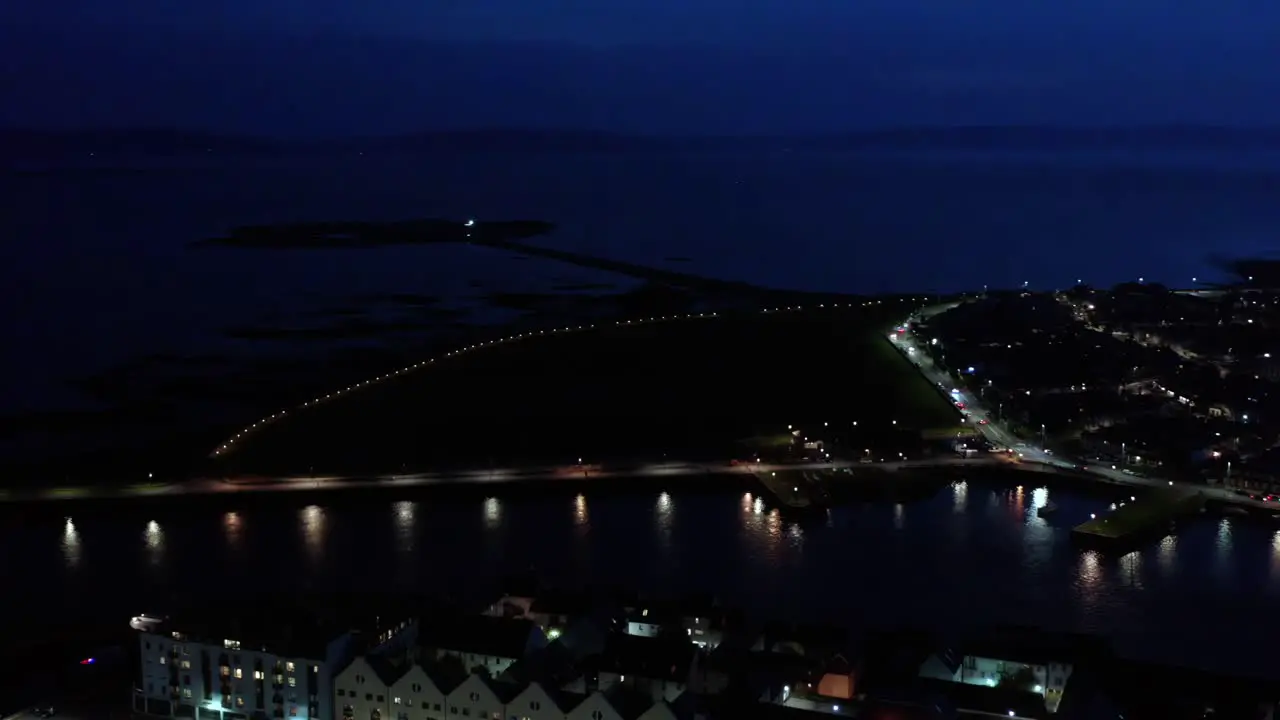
480	698
660	668
479	641
755	676
556	613
661	710
1025	668
536	702
277	664
615	704
416	695
701	619
362	690
645	622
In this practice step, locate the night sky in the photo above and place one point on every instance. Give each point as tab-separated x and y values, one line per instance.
332	67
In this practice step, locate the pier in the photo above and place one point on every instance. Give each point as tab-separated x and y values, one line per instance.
791	489
1149	514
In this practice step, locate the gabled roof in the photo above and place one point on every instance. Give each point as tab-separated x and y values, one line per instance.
387	670
630	704
941	665
478	634
551	666
565	701
434	686
568	700
381	669
651	657
660	710
501	691
446	677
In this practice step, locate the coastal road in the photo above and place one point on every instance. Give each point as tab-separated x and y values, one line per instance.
1029	452
495	476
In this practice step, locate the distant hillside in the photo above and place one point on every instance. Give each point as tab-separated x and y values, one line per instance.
1016	137
19	144
23	143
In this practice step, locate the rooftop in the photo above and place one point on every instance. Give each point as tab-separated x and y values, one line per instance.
477	634
279	628
651	657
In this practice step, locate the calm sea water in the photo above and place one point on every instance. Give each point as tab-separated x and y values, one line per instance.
95	263
973	554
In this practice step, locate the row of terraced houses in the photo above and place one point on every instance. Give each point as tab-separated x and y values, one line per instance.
548	656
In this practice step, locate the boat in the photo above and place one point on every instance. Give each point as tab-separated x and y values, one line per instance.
1047	509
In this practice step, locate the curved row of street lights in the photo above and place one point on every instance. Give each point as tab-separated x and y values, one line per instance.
231	443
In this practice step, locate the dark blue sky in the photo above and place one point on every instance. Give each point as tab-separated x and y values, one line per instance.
318	67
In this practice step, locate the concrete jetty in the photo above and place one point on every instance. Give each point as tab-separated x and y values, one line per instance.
1149	514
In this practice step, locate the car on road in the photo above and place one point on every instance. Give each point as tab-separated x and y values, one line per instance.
44	712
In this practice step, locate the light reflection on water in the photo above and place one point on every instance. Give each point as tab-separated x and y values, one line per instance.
1167	555
1089	578
154	538
1038	541
71	544
662	515
232	527
1223	545
1039	498
1131	569
492	513
1275	559
736	543
405	515
314	525
769	536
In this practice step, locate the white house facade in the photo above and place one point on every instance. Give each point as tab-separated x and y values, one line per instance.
360	693
415	696
595	707
535	703
476	698
228	679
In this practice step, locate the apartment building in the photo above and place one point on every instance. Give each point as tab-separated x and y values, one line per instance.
209	668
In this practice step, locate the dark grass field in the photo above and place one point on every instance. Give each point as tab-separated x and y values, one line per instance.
686	389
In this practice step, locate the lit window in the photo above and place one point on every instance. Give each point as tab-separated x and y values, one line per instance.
288	667
186	664
239	701
225	671
238	673
162	660
395	700
258	675
186	693
293	681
